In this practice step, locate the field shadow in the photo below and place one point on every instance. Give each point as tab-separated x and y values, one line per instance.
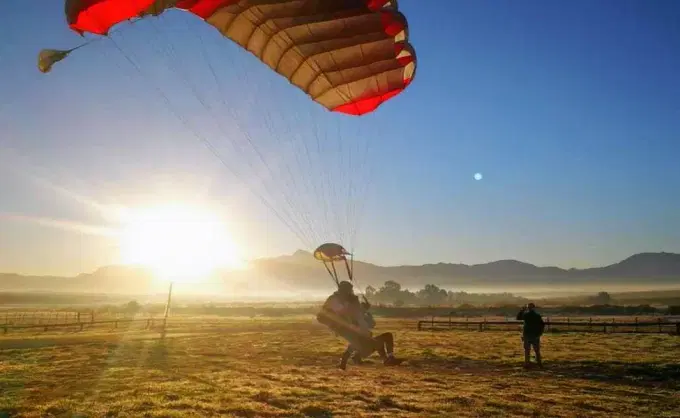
634	374
8	412
649	374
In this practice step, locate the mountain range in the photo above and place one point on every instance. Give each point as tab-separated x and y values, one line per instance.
300	272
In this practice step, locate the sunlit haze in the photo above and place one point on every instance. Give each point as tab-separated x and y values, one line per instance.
545	132
179	243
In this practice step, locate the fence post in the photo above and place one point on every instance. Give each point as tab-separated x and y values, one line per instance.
432	321
660	329
450	320
590	323
548	324
568	324
677	328
636	324
613	324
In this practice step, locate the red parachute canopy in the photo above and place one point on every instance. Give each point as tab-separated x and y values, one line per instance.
350	56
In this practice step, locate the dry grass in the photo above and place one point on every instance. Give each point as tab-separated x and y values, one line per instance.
285	368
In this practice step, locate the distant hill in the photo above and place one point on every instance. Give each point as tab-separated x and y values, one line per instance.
300	272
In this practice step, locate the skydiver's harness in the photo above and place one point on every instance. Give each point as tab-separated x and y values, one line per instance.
341	325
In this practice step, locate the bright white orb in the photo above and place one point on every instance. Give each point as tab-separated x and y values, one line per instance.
478	176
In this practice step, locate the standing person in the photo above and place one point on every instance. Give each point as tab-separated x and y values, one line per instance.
532	331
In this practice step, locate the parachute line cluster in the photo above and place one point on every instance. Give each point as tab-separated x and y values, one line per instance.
309	169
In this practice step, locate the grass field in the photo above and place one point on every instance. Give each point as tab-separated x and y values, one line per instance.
285	368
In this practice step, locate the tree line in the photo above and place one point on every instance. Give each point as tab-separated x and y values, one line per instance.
392	293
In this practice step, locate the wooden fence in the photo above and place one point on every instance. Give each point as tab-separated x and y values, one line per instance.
147	323
563	325
47	317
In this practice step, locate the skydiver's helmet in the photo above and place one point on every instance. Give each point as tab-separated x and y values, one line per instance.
531	306
345	288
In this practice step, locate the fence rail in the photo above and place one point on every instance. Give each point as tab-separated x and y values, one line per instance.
147	322
568	325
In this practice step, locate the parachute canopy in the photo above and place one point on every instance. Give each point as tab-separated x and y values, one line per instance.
350	56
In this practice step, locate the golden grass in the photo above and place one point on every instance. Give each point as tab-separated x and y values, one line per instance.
285	368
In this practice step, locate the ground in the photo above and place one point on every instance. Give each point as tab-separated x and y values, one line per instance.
285	368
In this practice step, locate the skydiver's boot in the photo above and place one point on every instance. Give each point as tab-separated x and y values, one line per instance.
392	361
345	358
386	349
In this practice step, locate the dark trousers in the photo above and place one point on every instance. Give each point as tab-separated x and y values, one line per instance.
384	345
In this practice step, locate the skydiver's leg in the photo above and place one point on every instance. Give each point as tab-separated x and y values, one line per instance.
385	346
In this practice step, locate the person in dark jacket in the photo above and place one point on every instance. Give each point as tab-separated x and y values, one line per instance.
531	333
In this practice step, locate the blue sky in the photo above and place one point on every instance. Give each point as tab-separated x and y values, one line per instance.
570	110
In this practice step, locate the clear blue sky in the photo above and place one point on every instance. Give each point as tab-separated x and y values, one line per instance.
570	110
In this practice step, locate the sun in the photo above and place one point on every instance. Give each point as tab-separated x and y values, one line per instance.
180	243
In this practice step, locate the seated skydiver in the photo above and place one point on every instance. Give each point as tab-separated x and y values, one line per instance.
345	315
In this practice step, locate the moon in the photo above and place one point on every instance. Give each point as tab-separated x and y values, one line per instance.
478	176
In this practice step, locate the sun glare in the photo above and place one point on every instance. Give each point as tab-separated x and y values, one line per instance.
179	243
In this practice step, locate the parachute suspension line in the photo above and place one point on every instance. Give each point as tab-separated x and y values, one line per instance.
200	137
187	80
302	235
293	202
333	273
350	272
362	194
321	230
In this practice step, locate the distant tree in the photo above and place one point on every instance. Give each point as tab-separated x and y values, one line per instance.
391	286
602	298
370	292
390	291
132	307
399	303
432	295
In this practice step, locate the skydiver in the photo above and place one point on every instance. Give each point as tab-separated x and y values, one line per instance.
345	315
